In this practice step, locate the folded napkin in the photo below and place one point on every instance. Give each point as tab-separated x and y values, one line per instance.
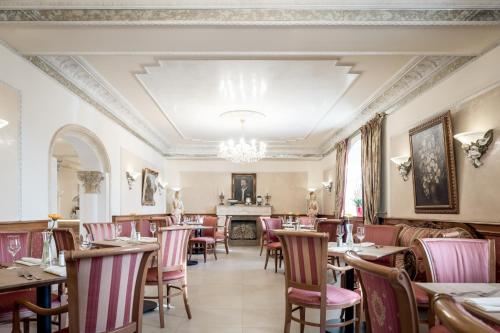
56	270
147	240
125	239
487	304
28	261
366	244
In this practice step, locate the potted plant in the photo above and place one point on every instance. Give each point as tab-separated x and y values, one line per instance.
359	206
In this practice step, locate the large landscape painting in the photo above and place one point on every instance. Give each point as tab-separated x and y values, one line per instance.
434	179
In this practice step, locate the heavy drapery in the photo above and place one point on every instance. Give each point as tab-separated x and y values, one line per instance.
339	189
371	137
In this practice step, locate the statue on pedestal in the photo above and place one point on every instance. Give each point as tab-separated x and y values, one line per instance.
312	206
177	207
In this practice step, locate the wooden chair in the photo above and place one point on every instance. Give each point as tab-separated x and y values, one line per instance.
456	260
65	239
330	227
454	318
383	235
273	244
207	239
306	262
263	233
172	269
101	231
105	289
387	297
223	236
306	220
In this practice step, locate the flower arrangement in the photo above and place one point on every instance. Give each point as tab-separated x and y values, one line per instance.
54	217
429	164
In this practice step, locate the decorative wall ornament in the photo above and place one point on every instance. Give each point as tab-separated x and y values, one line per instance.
475	144
161	186
91	180
328	185
131	178
149	187
255	16
404	165
83	82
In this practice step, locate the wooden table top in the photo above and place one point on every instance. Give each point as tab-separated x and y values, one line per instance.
118	242
10	281
462	291
368	253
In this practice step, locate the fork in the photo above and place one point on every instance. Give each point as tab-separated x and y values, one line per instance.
25	275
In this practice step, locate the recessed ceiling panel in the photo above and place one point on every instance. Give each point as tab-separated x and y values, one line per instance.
293	95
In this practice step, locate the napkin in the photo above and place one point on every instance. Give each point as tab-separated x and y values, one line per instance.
366	244
147	240
28	261
56	270
487	304
125	239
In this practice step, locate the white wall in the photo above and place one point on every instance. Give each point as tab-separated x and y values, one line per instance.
46	107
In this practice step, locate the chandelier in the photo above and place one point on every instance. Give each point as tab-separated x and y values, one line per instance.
243	151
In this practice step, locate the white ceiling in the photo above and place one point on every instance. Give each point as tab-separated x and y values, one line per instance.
168	82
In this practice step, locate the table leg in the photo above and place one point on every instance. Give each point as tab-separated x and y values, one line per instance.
43	300
348	312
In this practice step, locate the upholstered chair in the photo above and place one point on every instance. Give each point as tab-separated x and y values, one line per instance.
383	235
172	267
105	289
456	260
273	244
222	234
65	239
306	262
387	297
101	231
207	239
454	318
330	227
306	220
263	233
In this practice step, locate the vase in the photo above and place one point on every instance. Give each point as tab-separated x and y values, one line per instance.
359	211
47	256
349	237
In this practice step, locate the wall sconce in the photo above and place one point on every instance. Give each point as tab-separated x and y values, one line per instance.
161	186
328	185
475	144
311	189
404	165
3	123
131	178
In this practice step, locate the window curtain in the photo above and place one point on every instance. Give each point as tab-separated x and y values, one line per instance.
339	189
371	137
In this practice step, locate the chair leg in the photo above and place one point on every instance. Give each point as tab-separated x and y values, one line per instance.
26	326
288	317
281	258
275	261
205	253
160	303
190	250
302	319
186	301
215	252
261	244
226	244
267	258
357	310
168	296
322	320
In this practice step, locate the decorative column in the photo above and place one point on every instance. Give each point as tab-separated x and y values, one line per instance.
89	204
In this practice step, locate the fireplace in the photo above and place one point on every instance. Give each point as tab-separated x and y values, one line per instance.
243	228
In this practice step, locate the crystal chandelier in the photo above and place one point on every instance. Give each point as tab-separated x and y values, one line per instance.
242	152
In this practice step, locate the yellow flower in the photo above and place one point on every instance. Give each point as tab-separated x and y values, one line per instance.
54	217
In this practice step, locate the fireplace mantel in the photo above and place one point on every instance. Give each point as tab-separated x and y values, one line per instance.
242	210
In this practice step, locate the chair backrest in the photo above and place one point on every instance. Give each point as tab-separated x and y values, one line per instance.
458	260
36	244
306	258
106	287
209	221
306	220
330	227
387	296
65	239
455	318
262	222
173	247
271	225
101	231
383	235
24	239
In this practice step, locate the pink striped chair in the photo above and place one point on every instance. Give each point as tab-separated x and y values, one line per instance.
306	262
101	231
387	297
263	234
105	289
273	244
383	235
172	257
207	239
65	239
306	220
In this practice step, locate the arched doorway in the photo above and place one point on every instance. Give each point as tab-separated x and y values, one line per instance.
79	175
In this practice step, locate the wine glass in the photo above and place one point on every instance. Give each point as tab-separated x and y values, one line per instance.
360	233
85	242
118	229
152	228
13	246
340	233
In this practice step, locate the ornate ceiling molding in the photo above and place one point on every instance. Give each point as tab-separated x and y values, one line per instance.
423	75
85	84
255	16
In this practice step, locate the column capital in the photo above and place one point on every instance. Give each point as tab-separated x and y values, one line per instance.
91	180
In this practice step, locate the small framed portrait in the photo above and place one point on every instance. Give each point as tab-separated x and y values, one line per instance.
149	186
434	175
243	186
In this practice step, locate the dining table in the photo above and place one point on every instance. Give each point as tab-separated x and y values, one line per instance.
10	280
366	251
462	292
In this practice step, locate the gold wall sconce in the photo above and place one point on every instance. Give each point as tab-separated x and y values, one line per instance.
475	144
404	165
131	178
328	185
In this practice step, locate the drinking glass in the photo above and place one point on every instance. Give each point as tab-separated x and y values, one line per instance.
360	234
85	242
340	230
13	246
152	228
118	229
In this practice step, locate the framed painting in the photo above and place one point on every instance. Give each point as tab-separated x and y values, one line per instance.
434	175
149	187
243	186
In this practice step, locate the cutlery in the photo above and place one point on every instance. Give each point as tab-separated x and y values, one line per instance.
24	275
476	292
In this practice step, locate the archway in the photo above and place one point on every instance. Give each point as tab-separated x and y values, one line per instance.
79	175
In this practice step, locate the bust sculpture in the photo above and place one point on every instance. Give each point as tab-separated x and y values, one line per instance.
177	206
313	206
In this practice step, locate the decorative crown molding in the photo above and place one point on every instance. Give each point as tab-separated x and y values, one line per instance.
256	16
85	84
423	75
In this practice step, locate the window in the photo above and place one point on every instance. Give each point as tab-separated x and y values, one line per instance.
353	202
